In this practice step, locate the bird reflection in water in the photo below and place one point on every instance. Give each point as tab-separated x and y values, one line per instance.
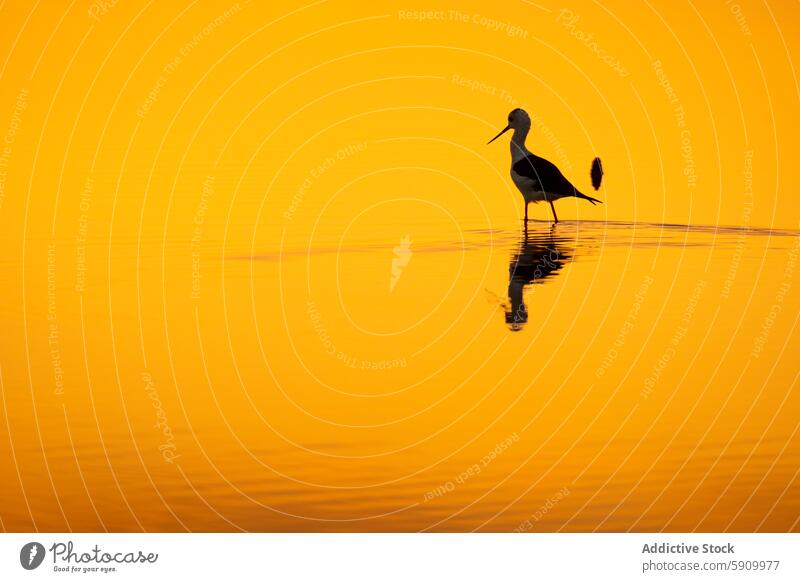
538	256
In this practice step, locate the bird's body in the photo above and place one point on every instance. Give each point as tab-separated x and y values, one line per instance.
537	179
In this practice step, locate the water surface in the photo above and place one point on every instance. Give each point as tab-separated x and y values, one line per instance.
587	376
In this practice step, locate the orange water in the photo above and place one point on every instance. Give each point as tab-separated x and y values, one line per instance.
261	271
283	415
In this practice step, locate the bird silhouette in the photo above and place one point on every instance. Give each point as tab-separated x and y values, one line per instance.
538	179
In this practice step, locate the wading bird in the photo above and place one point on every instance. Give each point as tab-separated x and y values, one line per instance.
538	179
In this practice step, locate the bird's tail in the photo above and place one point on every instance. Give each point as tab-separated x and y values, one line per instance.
589	198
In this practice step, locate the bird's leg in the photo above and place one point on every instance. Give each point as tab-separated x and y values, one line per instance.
555	216
526	213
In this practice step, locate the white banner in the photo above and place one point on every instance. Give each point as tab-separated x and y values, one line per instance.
401	557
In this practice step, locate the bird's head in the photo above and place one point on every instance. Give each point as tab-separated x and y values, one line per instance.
518	120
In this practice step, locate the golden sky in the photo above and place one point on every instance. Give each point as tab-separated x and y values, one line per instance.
150	150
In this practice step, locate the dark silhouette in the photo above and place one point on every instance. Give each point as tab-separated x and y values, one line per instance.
539	256
596	173
536	178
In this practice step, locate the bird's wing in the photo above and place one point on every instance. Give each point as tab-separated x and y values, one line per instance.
548	176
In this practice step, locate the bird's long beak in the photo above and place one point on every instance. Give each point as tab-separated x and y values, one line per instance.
499	134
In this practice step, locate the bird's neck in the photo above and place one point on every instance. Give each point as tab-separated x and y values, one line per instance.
518	149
